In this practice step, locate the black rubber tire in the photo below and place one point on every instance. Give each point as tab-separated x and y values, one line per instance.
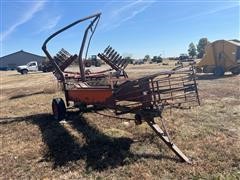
24	71
235	71
97	64
88	64
218	71
205	70
82	107
199	70
58	109
138	119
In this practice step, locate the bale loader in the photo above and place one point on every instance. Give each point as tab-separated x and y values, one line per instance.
221	56
145	97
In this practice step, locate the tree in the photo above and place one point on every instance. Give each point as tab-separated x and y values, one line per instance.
192	51
202	43
146	58
129	59
157	59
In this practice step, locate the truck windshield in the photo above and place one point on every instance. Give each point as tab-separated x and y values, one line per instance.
31	64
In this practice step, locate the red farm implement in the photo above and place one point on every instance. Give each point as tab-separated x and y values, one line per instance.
145	97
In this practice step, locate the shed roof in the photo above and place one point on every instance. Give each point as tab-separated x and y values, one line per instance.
19	58
22	52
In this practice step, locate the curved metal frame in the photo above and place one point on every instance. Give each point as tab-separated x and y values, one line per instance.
95	18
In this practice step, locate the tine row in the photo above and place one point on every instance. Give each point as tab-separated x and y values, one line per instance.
115	58
62	56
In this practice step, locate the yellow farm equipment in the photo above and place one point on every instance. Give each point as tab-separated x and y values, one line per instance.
221	56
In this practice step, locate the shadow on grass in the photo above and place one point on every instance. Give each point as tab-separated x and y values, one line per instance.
212	77
99	151
26	95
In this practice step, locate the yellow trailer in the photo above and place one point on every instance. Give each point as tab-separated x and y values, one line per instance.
221	56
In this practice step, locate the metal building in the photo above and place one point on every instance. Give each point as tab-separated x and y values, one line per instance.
11	61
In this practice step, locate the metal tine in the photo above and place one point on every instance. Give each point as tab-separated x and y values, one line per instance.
63	51
113	55
122	63
106	49
118	60
125	64
115	58
110	54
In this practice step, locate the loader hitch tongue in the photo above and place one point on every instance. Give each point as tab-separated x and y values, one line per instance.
145	97
165	138
162	133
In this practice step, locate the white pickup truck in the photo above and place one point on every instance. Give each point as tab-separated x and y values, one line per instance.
31	66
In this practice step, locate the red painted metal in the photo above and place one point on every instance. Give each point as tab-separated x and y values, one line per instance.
90	96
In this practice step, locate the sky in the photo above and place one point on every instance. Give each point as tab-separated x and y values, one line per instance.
132	27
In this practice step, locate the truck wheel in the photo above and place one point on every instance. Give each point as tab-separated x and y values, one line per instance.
199	70
205	69
88	64
58	108
98	64
218	71
235	71
24	71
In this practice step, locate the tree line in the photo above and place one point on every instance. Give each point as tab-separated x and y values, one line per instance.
198	50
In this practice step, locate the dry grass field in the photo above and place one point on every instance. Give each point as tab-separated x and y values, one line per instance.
92	146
